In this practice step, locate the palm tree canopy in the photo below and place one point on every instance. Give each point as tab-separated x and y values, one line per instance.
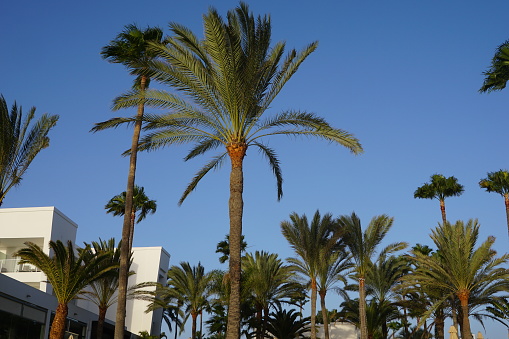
67	273
498	73
458	266
130	47
439	188
141	203
21	139
189	284
228	80
497	182
267	278
310	241
363	244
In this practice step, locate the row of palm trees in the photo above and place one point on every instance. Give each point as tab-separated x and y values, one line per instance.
427	285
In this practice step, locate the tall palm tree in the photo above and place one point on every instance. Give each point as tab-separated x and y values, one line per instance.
363	246
440	188
190	284
103	291
221	87
312	243
129	48
498	182
269	281
498	73
67	274
21	139
460	267
141	203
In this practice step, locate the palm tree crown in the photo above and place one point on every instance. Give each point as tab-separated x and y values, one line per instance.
440	188
498	182
67	274
20	142
497	75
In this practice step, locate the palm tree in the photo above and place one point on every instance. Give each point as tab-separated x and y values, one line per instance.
460	268
312	243
67	274
269	282
223	247
129	48
498	182
21	139
440	188
141	203
382	281
285	324
363	246
227	81
191	286
332	268
103	291
498	73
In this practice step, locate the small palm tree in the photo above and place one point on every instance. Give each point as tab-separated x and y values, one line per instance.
269	282
312	243
498	182
287	324
129	48
461	268
498	73
221	87
67	274
141	203
363	246
440	188
103	291
190	284
21	139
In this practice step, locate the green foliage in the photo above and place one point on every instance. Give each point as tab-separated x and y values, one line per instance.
287	324
141	203
66	273
21	139
223	247
498	73
439	188
497	182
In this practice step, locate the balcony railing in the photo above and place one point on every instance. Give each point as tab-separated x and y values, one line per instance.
13	265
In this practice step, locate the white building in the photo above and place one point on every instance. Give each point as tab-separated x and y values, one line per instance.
22	303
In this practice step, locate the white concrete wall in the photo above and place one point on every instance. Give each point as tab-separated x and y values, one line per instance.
38	225
339	330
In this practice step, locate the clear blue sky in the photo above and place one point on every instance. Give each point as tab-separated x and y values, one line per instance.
402	76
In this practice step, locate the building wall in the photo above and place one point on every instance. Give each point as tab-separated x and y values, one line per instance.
339	330
42	224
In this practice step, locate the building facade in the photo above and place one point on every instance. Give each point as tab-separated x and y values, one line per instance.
26	300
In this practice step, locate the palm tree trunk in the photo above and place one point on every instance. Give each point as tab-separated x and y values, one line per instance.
193	330
100	322
362	309
126	228
506	199
313	308
259	319
465	328
236	207
439	323
131	233
58	325
442	209
324	314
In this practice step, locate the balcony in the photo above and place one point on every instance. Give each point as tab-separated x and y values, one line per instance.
14	266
